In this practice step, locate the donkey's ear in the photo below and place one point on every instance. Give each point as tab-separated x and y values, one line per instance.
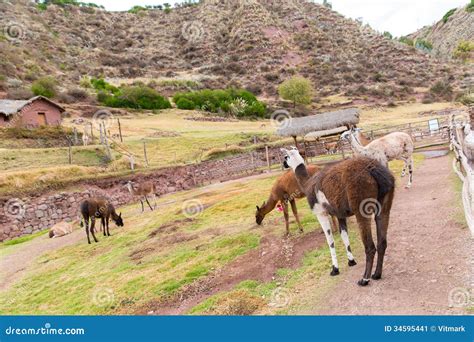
120	215
257	207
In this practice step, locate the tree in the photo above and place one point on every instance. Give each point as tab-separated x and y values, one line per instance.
297	89
45	86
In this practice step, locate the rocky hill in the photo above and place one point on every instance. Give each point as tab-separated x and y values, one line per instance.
455	27
250	43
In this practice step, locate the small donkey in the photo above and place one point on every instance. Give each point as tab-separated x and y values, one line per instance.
93	208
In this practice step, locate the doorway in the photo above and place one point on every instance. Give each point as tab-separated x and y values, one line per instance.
42	119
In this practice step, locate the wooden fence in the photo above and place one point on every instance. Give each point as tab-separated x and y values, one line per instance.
462	144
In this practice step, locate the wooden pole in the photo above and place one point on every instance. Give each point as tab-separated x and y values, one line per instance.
101	134
75	136
107	147
120	129
252	161
144	153
69	151
92	132
268	158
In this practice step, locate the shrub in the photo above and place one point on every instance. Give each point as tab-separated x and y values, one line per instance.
406	40
45	86
424	45
184	103
297	90
238	102
463	50
442	90
136	9
138	97
388	35
470	7
448	14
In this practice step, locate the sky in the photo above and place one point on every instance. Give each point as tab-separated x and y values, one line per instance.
399	17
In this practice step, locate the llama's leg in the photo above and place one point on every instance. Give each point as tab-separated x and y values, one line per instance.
410	172
366	235
143	209
86	224
284	205
323	219
382	222
146	199
154	200
345	239
107	221
405	166
102	225
92	229
295	213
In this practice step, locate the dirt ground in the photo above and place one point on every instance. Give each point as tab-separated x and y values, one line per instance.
429	255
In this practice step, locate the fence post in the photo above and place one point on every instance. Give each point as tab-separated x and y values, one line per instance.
75	136
92	132
144	153
69	151
268	158
253	162
107	147
120	130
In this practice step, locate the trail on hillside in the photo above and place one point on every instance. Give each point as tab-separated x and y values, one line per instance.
428	259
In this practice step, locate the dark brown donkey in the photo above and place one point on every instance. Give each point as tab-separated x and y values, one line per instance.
359	186
93	208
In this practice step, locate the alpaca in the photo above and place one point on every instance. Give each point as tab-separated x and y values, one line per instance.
93	208
60	229
284	190
396	145
358	186
331	148
144	189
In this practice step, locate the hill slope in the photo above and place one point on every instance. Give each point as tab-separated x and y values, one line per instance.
445	35
255	44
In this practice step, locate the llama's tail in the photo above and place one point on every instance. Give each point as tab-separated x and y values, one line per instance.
384	179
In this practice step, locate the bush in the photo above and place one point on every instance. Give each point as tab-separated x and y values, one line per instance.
138	97
184	103
297	90
238	102
470	7
45	86
463	50
448	14
442	90
424	45
406	40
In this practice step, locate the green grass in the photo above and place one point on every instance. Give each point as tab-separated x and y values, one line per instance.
21	239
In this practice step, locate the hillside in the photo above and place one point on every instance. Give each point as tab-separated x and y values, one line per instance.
455	27
253	44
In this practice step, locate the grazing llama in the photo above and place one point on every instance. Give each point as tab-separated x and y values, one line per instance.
93	208
142	191
396	145
358	186
284	190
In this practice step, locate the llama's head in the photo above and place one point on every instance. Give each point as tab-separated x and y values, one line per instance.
292	158
348	134
118	220
259	214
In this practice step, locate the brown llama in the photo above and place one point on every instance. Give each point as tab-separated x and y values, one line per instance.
142	191
284	190
358	186
93	208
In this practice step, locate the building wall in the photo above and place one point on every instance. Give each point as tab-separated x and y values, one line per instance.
29	114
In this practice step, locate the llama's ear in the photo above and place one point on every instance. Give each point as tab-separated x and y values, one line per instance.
120	215
257	207
284	150
294	148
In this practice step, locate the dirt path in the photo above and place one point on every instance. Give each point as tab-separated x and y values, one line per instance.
428	256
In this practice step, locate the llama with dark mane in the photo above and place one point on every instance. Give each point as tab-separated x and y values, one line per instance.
93	208
359	186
